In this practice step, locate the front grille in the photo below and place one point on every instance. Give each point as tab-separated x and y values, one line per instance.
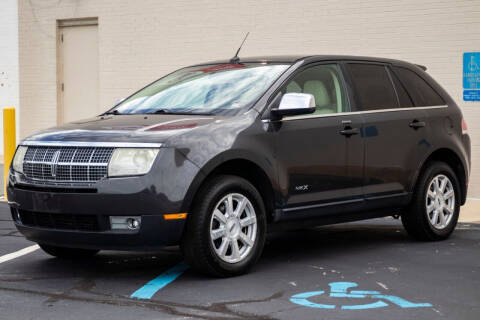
62	221
67	164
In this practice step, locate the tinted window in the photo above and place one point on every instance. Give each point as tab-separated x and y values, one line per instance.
419	90
403	97
324	83
374	88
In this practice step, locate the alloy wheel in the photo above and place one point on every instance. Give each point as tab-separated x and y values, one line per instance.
440	201
233	228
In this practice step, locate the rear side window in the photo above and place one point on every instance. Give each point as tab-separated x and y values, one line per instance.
419	90
374	87
403	97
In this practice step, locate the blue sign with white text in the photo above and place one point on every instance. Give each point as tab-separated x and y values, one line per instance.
471	95
471	70
471	76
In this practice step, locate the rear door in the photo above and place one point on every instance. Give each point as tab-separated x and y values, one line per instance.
393	132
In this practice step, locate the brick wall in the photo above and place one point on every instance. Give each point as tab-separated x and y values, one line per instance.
143	39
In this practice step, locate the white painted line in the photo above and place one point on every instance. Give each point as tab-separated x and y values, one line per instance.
18	253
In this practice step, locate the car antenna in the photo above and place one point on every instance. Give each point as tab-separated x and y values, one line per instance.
236	59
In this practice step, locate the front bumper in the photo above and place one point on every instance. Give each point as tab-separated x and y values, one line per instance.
161	191
154	232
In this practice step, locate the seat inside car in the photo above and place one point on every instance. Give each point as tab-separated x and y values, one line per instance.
322	98
318	90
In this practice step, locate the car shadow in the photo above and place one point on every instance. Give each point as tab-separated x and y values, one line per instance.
300	245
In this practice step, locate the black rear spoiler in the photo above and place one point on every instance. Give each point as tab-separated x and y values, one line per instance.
421	67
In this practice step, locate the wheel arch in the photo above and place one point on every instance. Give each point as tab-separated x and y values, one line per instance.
246	168
451	158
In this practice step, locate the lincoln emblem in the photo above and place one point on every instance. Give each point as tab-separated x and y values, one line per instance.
53	166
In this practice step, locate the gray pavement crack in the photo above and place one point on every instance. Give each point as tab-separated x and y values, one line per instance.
173	308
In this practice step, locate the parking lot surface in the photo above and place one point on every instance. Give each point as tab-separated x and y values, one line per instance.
363	270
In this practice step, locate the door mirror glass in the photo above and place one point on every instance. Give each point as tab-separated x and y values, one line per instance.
295	104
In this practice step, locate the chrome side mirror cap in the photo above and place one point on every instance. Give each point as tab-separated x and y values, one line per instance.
293	104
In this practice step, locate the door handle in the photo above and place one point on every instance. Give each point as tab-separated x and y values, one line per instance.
348	131
415	124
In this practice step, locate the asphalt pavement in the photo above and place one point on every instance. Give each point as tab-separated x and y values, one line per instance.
363	270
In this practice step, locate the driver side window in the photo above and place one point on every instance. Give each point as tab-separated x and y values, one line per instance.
324	83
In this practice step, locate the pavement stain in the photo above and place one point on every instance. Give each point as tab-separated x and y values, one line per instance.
382	285
221	309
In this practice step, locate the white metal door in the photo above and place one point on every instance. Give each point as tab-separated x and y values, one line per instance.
78	71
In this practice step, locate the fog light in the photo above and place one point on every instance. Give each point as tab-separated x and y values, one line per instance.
133	223
125	223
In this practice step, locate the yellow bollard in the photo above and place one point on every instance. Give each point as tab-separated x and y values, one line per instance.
9	143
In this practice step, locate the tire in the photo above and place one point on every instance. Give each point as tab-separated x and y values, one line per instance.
68	253
423	218
202	251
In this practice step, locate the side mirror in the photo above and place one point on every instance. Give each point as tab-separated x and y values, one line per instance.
293	104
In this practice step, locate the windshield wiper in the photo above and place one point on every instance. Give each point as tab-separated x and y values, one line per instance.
116	112
165	111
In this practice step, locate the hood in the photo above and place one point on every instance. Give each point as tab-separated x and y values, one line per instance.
125	128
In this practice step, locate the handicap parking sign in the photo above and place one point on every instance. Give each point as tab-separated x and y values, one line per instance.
471	76
471	70
341	290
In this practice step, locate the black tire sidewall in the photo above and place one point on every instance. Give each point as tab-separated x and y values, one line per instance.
435	169
216	190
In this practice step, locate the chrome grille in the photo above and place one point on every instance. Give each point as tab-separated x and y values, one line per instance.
66	164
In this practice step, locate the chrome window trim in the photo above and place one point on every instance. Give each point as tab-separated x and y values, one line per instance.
358	112
89	144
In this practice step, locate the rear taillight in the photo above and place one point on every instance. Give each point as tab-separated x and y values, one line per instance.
464	127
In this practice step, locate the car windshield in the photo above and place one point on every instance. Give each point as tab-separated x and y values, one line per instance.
221	89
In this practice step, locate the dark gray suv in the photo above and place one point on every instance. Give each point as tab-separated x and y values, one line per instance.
213	155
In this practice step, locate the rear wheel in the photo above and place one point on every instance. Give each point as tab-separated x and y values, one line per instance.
68	253
225	232
433	212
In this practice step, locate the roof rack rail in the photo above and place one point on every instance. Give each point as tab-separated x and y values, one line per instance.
421	67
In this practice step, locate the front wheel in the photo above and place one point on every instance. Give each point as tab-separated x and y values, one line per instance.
68	253
225	232
433	213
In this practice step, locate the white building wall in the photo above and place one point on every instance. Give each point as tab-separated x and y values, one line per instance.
143	39
8	60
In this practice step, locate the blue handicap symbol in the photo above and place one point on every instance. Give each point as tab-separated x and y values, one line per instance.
339	290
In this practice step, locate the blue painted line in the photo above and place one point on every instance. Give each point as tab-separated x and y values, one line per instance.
402	302
378	304
153	286
302	299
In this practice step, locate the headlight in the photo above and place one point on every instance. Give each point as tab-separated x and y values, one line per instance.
131	161
17	163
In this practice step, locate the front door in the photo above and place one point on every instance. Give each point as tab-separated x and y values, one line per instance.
320	155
